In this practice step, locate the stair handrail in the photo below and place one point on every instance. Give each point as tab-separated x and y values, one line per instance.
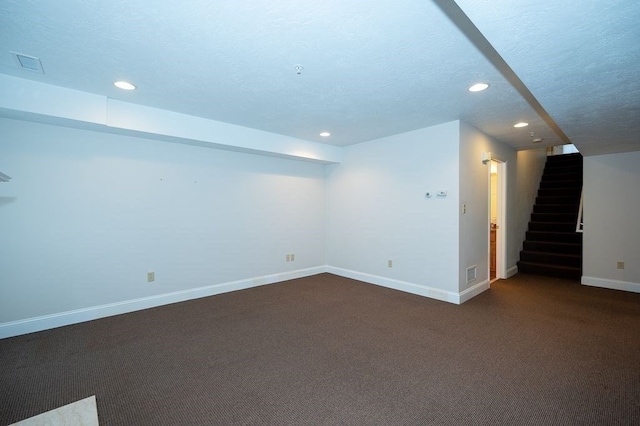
580	221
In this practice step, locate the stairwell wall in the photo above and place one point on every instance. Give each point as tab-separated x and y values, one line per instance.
531	165
611	224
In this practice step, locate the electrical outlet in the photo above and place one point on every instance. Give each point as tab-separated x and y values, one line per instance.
288	258
464	208
151	277
390	263
620	264
293	257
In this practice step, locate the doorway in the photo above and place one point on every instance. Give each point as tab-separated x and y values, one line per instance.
497	198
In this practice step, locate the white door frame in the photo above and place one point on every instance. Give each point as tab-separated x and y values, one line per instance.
501	232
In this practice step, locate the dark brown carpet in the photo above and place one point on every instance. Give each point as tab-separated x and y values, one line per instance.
327	350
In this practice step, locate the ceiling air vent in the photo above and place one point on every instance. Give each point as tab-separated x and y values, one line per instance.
29	63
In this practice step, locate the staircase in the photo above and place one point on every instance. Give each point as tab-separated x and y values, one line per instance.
552	246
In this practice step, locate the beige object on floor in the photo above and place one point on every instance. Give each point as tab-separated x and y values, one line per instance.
79	413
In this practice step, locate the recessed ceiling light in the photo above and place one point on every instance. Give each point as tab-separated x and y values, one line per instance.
325	134
124	85
478	87
521	124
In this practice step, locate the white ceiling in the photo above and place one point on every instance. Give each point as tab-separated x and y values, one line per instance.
370	68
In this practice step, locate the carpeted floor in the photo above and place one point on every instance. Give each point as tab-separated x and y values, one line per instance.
327	350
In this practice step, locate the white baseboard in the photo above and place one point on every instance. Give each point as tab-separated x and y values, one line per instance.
472	292
512	271
612	284
31	325
46	322
421	290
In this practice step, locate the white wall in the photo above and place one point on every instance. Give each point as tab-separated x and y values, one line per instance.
474	192
611	221
530	168
377	211
87	214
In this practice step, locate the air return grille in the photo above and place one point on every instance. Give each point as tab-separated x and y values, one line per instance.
471	273
29	63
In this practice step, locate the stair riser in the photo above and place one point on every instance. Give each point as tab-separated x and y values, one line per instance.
561	177
552	247
561	184
552	226
559	200
560	164
560	192
554	169
572	261
554	217
557	237
549	271
553	208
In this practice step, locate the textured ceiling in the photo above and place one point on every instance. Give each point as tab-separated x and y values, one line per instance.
370	68
580	59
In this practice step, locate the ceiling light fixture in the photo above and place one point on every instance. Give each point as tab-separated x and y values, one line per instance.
478	87
124	85
325	134
521	124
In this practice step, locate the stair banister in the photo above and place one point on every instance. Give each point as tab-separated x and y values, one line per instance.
579	222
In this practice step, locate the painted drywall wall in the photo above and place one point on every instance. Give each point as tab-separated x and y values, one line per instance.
529	173
611	227
88	214
474	193
377	211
